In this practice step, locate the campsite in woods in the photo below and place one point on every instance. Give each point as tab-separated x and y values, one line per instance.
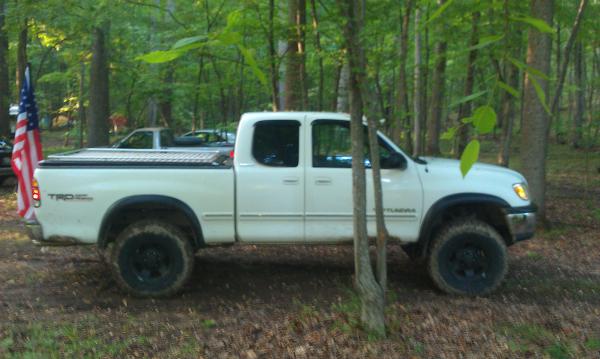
513	84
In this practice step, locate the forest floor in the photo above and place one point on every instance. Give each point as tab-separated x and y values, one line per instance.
297	302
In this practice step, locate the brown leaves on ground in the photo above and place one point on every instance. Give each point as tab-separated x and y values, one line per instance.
296	302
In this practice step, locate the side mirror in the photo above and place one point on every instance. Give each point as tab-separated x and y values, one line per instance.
396	161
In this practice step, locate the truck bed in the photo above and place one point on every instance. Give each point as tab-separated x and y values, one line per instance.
103	157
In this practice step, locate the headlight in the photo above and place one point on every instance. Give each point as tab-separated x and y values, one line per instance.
521	191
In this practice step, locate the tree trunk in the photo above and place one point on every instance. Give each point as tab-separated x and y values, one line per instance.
195	114
99	90
80	103
342	104
576	130
21	58
295	80
508	114
534	137
567	54
273	68
465	108
370	293
402	108
315	24
418	88
166	100
437	95
4	84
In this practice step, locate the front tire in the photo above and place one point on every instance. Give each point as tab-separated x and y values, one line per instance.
468	257
152	259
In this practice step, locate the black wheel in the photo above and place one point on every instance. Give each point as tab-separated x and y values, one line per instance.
152	259
468	257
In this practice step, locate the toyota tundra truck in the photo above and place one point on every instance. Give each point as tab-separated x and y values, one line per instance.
289	182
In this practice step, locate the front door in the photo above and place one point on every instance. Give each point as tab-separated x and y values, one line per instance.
329	187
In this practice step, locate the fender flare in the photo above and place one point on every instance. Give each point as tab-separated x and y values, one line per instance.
449	201
151	200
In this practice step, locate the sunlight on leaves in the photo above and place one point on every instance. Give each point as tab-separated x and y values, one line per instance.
469	157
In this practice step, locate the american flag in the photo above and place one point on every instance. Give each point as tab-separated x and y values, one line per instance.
27	149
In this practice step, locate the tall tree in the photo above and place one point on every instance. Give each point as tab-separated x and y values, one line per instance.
295	79
99	89
21	56
402	107
576	127
342	103
370	292
534	134
418	88
4	85
315	24
465	107
437	94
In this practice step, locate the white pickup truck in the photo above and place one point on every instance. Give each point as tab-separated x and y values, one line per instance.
289	182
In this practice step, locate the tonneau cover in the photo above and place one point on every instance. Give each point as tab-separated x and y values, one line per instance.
129	157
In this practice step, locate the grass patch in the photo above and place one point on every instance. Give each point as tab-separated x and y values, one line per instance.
65	341
592	344
525	339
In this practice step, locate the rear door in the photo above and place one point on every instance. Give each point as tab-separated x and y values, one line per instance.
270	183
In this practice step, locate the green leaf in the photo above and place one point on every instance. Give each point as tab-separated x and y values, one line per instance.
249	58
484	119
485	41
471	97
467	120
506	87
157	57
230	38
539	24
449	134
529	69
469	157
186	42
439	12
540	94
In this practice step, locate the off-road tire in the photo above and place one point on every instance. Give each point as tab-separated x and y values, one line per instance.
467	257
151	258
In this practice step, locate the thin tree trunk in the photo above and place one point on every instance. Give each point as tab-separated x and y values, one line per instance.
369	291
315	24
402	107
99	90
273	70
342	104
166	100
338	76
418	88
576	130
21	57
534	137
508	114
437	95
557	117
567	54
80	104
4	81
465	108
295	80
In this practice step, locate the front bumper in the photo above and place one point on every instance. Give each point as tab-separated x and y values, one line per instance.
521	222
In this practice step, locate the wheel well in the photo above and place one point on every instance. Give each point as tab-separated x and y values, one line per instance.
490	213
167	209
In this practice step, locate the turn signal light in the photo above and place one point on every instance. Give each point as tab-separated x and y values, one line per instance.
521	191
35	193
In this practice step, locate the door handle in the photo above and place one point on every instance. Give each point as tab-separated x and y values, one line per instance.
290	180
323	180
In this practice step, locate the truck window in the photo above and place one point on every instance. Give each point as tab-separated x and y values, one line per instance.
332	145
276	143
139	140
166	138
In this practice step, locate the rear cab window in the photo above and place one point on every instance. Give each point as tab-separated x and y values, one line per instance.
276	143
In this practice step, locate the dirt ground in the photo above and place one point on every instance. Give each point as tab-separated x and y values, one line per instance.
297	302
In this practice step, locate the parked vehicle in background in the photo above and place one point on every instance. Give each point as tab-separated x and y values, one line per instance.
213	137
13	112
161	138
5	156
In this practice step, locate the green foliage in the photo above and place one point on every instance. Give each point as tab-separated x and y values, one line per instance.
539	24
469	157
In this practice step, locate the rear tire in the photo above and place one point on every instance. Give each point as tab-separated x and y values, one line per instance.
468	257
151	259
